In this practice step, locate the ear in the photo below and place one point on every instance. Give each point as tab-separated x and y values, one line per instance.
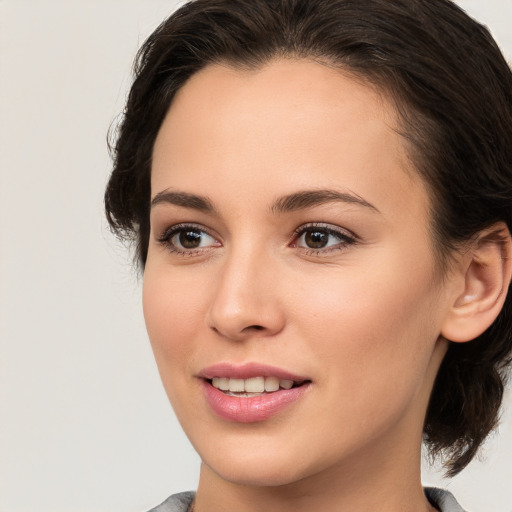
481	282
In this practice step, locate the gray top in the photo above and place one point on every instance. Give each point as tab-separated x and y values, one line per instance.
442	500
176	503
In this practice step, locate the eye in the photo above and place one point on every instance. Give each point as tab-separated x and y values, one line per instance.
318	238
187	238
191	239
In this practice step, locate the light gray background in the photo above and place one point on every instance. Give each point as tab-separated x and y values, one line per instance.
84	423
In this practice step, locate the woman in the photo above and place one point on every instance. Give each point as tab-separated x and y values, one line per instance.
320	192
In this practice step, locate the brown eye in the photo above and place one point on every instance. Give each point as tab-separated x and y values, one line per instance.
319	238
316	239
186	238
190	239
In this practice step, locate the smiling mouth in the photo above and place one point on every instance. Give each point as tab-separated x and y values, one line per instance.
251	392
254	386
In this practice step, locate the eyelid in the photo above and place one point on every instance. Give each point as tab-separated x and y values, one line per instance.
345	236
168	233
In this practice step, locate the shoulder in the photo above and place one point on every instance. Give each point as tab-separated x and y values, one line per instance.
175	503
443	500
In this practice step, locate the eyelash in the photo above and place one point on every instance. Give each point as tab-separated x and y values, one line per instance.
345	238
166	239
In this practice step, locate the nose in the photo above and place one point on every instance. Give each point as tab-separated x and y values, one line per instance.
246	300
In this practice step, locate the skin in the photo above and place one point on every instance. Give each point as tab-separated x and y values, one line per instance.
362	320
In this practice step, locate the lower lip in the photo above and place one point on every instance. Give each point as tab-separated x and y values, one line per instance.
250	409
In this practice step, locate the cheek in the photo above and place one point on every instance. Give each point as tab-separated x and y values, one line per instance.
173	312
373	327
372	336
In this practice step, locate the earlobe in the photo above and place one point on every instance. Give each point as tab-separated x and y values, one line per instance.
484	274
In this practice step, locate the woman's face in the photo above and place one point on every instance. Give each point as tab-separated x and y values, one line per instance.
290	242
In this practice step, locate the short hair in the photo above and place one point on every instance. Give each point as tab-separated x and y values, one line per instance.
453	93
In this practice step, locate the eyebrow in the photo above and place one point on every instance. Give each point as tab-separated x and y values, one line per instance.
183	199
292	202
311	198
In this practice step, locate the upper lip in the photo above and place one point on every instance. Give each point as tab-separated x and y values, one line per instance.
247	371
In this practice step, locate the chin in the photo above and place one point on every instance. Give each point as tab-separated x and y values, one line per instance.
263	461
266	472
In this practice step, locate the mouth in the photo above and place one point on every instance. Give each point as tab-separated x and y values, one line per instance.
251	392
254	386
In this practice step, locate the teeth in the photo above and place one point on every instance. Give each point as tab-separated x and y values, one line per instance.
286	384
252	385
236	385
255	385
221	383
271	384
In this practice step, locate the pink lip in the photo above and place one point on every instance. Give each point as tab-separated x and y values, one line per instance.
249	409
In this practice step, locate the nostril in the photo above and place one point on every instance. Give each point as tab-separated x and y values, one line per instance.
254	327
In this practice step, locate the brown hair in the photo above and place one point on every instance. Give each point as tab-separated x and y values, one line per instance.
453	92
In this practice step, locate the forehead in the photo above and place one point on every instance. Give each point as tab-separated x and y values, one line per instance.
290	123
300	93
